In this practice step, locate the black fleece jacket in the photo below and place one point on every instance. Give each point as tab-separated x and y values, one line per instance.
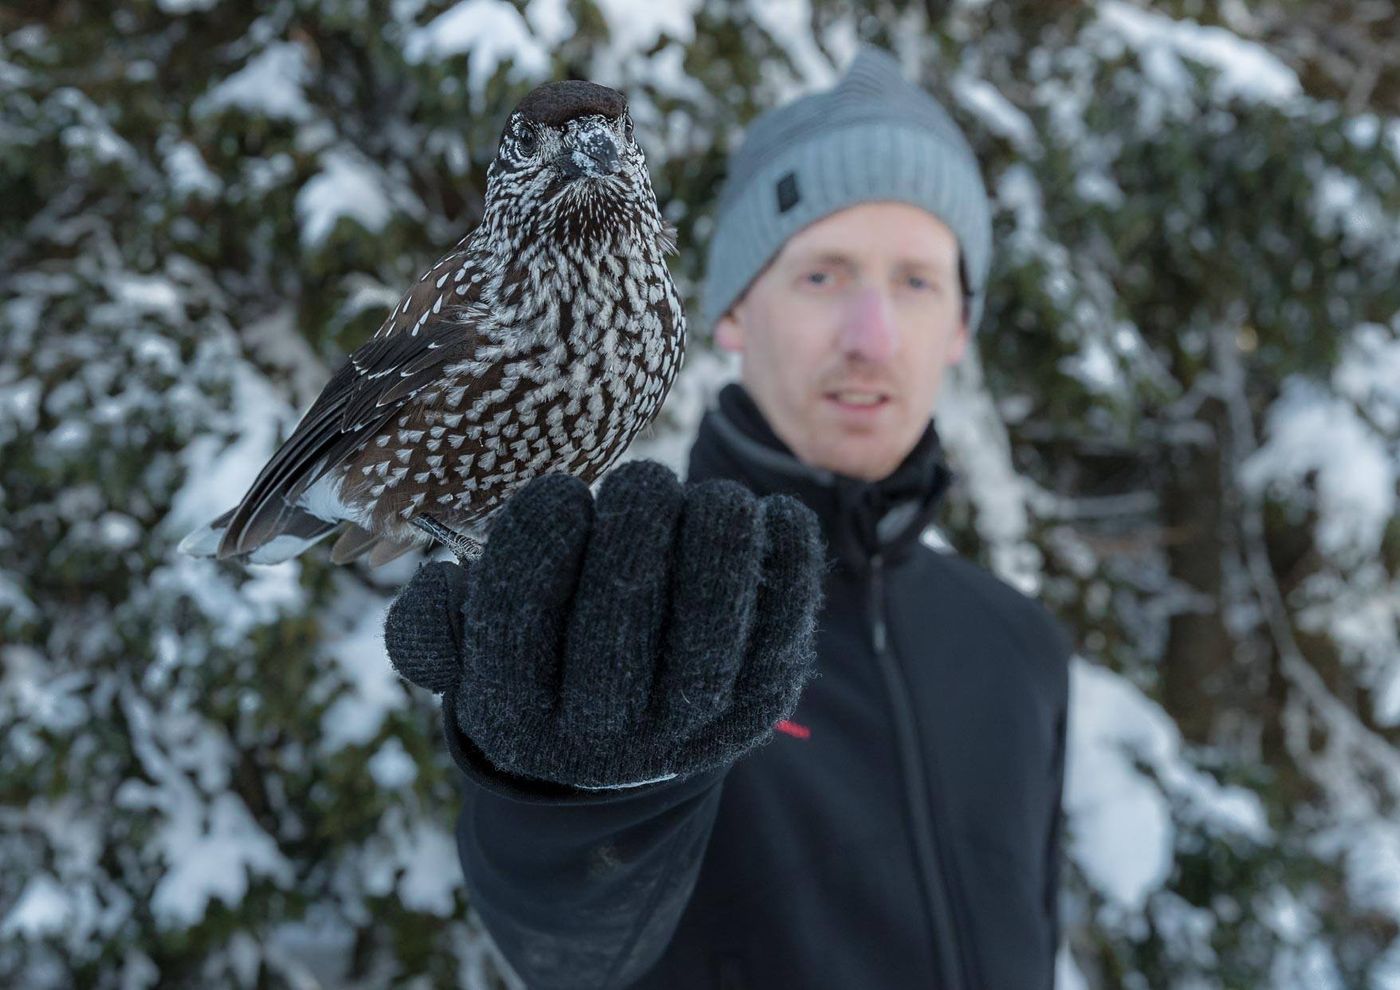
900	830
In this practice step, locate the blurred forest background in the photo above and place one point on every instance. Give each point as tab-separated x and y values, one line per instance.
1182	432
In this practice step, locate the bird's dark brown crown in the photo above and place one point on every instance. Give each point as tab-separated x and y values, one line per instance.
557	103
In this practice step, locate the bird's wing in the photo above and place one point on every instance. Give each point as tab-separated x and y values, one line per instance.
457	279
433	326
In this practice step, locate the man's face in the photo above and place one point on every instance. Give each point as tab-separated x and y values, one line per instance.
845	336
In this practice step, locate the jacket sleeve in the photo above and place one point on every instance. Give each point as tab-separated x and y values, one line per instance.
579	889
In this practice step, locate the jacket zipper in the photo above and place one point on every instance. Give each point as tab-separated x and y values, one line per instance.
936	895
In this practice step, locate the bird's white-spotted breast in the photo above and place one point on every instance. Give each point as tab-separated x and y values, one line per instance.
575	357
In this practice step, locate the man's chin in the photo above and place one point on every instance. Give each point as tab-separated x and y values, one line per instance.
869	458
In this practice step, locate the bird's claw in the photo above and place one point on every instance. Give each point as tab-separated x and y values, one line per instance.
463	547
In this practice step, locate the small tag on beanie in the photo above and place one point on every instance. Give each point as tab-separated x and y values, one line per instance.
787	192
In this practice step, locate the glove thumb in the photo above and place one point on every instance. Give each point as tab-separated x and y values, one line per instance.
423	630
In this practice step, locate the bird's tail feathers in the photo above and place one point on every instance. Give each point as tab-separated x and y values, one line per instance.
298	531
204	541
355	542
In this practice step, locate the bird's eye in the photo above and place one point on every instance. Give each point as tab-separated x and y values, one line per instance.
627	125
528	141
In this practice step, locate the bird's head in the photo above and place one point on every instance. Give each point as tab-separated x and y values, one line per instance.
569	167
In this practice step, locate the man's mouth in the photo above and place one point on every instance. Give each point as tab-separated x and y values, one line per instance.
858	399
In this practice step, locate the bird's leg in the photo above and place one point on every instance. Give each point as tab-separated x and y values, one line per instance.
464	548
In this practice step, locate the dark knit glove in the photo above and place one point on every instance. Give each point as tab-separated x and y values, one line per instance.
661	632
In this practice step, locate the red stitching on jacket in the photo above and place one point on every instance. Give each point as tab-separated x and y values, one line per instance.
793	729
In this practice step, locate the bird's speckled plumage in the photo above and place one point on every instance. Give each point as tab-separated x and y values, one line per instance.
544	341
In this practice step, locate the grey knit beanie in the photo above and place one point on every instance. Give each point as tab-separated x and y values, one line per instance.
873	136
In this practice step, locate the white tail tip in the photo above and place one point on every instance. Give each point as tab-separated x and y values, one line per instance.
203	542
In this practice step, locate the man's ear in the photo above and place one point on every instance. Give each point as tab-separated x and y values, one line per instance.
957	347
729	332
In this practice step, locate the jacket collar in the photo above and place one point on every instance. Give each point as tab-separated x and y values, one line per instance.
859	518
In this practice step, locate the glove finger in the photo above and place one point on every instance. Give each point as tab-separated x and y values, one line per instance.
782	655
620	607
518	608
782	648
423	630
714	594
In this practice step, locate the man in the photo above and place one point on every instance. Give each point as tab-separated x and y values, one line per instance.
610	669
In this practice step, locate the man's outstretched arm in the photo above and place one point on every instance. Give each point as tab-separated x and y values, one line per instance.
582	889
602	667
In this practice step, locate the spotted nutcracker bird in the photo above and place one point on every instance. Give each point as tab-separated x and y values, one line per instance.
543	342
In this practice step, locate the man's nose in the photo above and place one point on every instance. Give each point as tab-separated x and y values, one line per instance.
869	329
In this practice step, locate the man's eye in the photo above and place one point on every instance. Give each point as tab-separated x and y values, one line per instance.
817	278
923	283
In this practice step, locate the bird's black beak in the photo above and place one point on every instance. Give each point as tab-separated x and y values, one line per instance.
592	152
